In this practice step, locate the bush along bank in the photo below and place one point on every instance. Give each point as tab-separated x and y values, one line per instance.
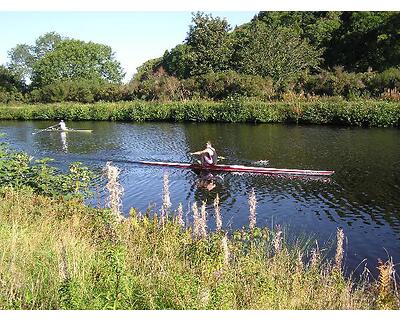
369	113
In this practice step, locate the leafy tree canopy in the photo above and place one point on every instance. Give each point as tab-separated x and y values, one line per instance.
10	81
206	48
316	26
23	57
145	71
74	60
273	51
366	40
178	61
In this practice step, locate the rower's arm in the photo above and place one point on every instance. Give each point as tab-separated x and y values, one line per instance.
198	152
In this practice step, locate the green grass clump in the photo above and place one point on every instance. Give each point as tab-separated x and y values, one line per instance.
59	254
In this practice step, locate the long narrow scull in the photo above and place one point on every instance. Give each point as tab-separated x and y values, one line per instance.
239	168
69	130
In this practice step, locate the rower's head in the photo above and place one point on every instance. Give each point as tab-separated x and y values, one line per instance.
208	144
62	120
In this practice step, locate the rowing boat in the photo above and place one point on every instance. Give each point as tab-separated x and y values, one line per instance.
70	130
239	168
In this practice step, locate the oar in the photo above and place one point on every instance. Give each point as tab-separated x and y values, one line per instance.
45	129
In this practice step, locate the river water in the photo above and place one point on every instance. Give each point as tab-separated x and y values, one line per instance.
362	197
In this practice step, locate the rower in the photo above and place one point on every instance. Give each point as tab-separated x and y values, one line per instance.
208	155
62	125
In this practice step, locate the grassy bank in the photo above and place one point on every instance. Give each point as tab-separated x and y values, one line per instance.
372	113
59	254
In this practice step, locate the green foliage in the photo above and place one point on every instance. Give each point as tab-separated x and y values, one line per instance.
178	61
388	79
19	170
209	43
79	90
158	86
21	60
287	48
11	88
355	40
206	49
45	43
365	40
372	113
273	55
9	81
219	86
275	52
316	26
147	69
337	83
23	57
75	60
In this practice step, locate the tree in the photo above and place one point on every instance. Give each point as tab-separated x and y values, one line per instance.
206	48
208	39
11	88
23	57
272	51
178	62
147	69
46	43
9	81
316	26
76	60
364	40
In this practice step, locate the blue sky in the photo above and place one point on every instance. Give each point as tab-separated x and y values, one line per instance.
135	37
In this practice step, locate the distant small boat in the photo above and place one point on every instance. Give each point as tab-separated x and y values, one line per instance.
70	130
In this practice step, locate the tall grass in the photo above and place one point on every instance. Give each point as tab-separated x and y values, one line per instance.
252	209
60	254
372	113
114	188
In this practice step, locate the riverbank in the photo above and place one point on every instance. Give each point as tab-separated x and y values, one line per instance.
368	113
60	254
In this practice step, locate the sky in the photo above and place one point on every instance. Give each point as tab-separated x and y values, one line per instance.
135	37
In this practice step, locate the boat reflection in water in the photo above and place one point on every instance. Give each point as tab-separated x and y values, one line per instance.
322	179
64	142
208	180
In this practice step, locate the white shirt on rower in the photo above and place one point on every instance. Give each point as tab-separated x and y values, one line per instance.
62	125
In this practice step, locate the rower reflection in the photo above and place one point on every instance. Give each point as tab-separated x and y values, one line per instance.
64	142
207	180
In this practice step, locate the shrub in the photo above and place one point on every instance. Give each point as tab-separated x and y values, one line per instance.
86	91
381	82
221	85
336	83
160	87
12	89
18	170
11	96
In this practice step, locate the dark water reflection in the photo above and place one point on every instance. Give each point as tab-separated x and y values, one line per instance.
363	197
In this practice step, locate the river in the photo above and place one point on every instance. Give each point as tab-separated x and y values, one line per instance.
362	197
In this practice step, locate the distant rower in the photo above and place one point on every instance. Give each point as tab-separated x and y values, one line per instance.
208	155
62	125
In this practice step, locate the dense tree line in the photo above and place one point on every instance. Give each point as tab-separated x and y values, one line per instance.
276	54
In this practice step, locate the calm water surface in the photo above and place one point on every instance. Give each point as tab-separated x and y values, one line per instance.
362	197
